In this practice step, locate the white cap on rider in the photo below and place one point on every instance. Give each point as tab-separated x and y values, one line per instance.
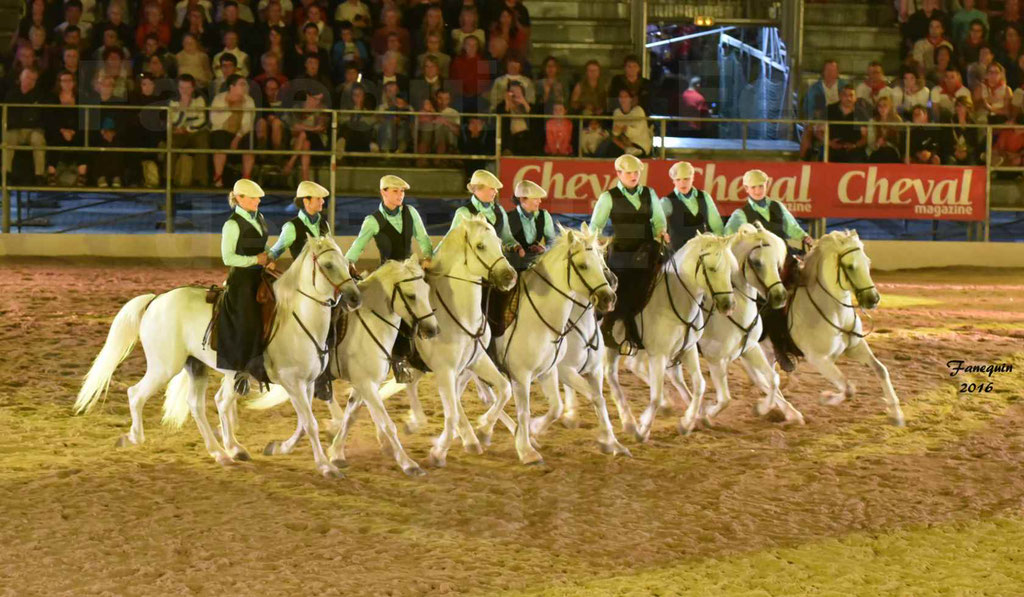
247	188
483	178
308	188
390	181
527	189
628	163
680	170
754	178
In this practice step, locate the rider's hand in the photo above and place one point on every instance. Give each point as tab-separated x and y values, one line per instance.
352	271
520	252
664	237
272	266
262	259
425	264
536	249
808	242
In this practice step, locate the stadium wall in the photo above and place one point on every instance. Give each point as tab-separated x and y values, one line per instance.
885	255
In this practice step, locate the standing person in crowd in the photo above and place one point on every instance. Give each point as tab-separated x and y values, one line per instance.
558	132
688	210
551	88
963	142
309	130
188	121
243	248
590	94
911	92
64	129
631	133
468	68
885	135
25	125
232	115
638	224
993	99
846	141
517	132
639	87
824	92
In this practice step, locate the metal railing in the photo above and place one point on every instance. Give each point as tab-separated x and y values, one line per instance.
658	126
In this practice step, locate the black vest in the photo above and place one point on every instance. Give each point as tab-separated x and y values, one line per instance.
251	242
684	225
391	243
499	222
515	226
631	227
302	233
777	225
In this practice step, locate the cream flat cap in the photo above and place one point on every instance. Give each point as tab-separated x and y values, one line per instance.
527	189
247	188
681	170
628	163
483	178
390	181
754	178
308	188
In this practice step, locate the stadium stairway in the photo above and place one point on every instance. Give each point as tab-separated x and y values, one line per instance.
575	31
10	14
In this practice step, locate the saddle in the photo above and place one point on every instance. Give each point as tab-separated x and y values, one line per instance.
264	296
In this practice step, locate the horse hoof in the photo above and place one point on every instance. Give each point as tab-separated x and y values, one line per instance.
629	429
411	428
414	471
614	448
435	461
272	448
339	462
535	463
898	420
243	456
484	438
570	422
684	428
331	472
223	459
122	442
473	448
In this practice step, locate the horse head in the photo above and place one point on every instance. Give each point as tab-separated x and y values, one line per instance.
322	263
852	266
586	271
410	295
482	253
713	267
762	255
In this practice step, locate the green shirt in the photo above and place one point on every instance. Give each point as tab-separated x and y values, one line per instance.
530	226
603	209
690	201
492	214
288	233
790	226
371	228
229	239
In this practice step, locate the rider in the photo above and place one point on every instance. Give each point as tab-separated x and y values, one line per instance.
393	227
638	222
774	216
243	248
688	210
309	198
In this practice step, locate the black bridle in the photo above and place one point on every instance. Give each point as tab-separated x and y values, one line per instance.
841	269
416	319
335	295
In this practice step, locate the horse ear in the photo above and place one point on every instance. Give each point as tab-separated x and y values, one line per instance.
585	229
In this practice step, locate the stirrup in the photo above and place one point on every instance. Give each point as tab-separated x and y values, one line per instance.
402	370
784	361
241	384
323	389
628	348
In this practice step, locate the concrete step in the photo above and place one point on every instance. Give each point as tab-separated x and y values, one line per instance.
855	62
575	55
580	30
566	9
848	13
819	37
440	182
719	10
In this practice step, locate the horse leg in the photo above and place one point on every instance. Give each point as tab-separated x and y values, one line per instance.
524	448
151	383
415	419
548	385
861	352
570	418
463	427
625	415
689	419
301	394
501	391
197	406
446	390
678	380
657	379
828	369
635	365
336	451
334	424
387	428
767	380
592	386
720	380
226	401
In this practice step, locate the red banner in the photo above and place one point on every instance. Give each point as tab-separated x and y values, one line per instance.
808	189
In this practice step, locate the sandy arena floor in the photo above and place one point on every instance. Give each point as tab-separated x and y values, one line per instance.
846	505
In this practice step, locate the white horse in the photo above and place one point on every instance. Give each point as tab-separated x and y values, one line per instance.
823	319
735	336
571	273
672	321
172	327
469	256
394	292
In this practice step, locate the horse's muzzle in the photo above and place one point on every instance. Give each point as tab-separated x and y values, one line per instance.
869	298
613	280
428	328
725	303
604	300
503	276
350	298
777	297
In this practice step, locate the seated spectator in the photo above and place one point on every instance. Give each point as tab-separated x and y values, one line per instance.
868	92
154	24
344	89
389	74
115	19
109	166
394	133
231	47
552	88
232	116
72	63
189	131
277	43
115	67
497	51
911	92
183	6
631	132
468	26
270	126
449	123
965	17
309	45
925	142
427	86
194	61
394	52
24	58
73	18
64	129
150	49
47	59
963	144
944	94
325	35
521	13
508	28
593	138
390	24
516	134
824	92
264	9
270	67
433	24
846	141
356	129
275	19
476	140
357	15
944	61
313	78
196	25
993	99
977	71
348	50
885	135
558	132
425	131
227	65
444	61
300	9
924	49
639	87
36	17
108	40
145	129
1010	49
468	70
917	26
230	19
25	126
513	70
309	131
1008	146
976	39
1011	17
590	94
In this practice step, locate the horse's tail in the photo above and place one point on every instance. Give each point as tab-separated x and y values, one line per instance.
267	400
121	338
176	409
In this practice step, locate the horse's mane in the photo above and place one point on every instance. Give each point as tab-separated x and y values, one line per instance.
706	241
392	270
448	249
566	236
749	231
833	242
286	287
